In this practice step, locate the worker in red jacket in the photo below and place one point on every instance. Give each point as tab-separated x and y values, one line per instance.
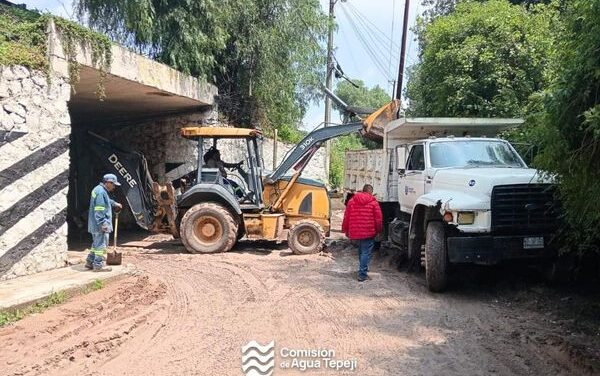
363	220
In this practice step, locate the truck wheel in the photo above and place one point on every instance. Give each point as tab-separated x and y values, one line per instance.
436	261
306	237
208	228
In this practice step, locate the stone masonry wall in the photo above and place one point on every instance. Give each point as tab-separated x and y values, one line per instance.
34	165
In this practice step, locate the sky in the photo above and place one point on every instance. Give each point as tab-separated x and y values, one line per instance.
365	55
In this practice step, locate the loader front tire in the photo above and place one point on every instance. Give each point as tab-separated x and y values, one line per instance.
306	237
208	228
436	259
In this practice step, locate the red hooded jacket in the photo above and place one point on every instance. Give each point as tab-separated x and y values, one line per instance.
363	218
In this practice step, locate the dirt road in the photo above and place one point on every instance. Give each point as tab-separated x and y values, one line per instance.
190	314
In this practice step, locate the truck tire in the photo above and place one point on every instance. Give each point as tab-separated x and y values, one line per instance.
436	257
306	237
208	228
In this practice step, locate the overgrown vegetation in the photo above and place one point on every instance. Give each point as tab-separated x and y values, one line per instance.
23	41
266	56
22	38
8	317
537	59
56	298
74	35
483	59
570	122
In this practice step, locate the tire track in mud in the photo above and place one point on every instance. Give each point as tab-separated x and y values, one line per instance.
83	334
195	311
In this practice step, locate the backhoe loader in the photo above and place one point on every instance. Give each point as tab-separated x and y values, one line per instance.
212	212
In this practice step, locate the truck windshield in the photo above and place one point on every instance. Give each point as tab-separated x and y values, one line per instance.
473	153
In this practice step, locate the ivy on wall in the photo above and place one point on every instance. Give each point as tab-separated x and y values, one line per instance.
24	41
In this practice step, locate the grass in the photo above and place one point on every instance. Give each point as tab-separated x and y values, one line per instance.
10	316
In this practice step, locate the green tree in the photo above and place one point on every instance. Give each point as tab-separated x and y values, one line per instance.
571	122
361	96
483	59
435	8
265	56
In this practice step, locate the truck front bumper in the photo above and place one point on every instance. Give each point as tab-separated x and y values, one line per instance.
488	250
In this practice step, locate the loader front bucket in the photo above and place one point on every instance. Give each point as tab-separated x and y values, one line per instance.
376	122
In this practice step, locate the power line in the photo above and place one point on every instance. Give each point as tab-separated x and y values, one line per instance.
377	63
373	26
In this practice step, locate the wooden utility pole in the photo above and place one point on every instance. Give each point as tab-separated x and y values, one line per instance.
402	51
329	81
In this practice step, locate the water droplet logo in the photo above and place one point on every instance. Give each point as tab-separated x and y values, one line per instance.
257	359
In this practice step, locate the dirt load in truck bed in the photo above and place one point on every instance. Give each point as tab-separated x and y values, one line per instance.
190	314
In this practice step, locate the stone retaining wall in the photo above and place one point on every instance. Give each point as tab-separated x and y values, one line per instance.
34	164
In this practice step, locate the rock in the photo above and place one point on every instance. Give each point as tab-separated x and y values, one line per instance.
17	119
20	72
4	93
33	119
65	120
6	121
37	100
14	107
8	74
14	88
27	86
39	79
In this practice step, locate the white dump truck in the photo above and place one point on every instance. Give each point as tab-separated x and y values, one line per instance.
452	195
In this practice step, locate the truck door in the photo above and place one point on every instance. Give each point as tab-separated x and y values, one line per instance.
412	182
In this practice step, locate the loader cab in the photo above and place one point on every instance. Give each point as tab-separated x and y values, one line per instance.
230	158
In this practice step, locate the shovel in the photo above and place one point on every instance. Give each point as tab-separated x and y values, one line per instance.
114	257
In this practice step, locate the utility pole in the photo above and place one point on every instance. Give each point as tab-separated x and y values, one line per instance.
402	51
329	81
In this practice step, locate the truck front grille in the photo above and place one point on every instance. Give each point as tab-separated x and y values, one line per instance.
524	209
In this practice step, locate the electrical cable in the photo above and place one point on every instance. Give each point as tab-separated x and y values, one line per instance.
370	52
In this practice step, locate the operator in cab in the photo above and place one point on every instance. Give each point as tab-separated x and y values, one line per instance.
212	159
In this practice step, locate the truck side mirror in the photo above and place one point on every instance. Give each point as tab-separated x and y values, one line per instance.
401	171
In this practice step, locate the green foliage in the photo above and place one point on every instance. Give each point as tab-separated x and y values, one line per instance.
96	285
10	316
435	8
571	122
22	38
360	96
483	59
264	55
72	35
339	146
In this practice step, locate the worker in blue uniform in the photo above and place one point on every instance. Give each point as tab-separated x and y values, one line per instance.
100	221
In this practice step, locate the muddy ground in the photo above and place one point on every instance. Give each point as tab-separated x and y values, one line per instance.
185	314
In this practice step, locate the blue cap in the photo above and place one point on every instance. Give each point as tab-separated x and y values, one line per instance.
111	178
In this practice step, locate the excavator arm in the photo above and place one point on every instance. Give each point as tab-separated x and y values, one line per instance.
299	157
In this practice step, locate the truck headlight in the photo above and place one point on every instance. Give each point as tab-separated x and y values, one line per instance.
466	218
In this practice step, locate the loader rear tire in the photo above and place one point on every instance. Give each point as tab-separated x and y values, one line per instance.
208	228
436	259
306	237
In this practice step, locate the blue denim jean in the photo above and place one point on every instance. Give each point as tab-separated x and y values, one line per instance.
96	257
365	250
